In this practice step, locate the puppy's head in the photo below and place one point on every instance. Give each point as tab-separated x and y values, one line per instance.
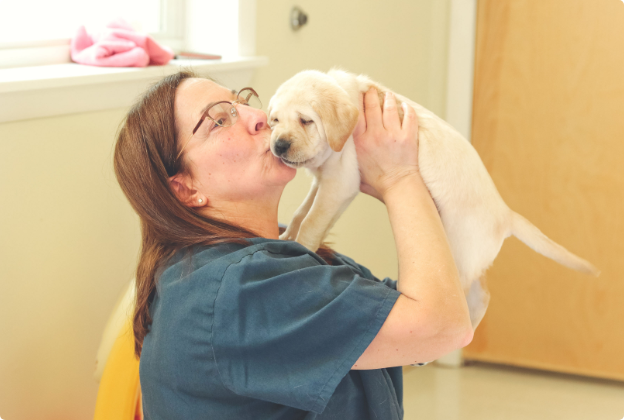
311	116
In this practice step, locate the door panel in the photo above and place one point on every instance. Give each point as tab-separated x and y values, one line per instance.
548	122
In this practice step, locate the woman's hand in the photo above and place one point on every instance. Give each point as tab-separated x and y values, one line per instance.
387	150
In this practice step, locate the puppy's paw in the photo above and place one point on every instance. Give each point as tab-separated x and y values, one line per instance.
288	236
312	245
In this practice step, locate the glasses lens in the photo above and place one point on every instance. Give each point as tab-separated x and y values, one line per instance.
223	114
248	97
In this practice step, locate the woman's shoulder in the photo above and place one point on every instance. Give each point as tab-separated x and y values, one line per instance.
273	248
258	251
272	256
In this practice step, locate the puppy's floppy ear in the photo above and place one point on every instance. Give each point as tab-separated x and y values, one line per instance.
339	117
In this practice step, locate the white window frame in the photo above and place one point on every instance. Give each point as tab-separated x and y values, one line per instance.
172	26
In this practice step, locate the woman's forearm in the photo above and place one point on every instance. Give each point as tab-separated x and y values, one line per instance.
427	271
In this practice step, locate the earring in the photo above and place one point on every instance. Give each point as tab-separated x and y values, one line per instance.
200	201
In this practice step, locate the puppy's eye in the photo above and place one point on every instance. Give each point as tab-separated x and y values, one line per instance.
275	121
305	122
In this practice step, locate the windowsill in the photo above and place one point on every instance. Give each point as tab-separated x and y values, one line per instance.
43	91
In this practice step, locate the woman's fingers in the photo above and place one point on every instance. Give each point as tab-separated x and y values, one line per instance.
372	108
391	119
360	127
386	148
410	121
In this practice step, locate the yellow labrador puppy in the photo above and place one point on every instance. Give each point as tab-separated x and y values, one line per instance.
313	115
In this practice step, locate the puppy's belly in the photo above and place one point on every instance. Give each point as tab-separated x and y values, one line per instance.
474	245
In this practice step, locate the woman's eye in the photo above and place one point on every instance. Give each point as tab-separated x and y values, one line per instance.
216	124
219	120
305	122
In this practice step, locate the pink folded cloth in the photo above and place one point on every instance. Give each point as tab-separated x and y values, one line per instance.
118	46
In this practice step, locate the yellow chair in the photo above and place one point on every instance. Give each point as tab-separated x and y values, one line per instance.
119	393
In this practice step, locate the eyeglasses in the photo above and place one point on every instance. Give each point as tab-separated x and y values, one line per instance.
224	113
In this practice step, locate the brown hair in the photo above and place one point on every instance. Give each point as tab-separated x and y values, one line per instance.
144	160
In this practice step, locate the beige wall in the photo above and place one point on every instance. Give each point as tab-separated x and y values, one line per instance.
68	245
68	239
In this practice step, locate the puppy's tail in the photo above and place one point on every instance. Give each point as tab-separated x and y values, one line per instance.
536	240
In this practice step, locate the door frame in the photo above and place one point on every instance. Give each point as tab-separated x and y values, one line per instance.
460	67
459	89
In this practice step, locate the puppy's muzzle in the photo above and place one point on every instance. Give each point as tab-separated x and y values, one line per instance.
281	147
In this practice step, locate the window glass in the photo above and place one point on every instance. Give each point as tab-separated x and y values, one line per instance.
37	20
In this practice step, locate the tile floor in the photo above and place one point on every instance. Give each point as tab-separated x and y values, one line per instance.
490	392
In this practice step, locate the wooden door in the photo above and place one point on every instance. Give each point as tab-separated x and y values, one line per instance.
548	122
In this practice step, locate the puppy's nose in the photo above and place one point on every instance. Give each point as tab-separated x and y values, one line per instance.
281	146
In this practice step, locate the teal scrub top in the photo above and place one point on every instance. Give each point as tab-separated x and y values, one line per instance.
266	331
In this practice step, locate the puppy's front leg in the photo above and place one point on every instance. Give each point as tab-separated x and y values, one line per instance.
290	234
338	184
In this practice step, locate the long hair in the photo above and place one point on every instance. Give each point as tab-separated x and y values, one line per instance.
144	160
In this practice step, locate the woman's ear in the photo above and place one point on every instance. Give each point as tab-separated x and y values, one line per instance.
182	187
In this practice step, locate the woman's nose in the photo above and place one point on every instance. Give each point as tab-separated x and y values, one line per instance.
254	119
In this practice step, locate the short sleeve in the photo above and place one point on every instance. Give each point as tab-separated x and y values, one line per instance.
366	272
287	327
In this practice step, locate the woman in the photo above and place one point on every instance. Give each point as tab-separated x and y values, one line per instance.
231	322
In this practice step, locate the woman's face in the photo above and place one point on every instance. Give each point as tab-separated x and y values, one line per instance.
227	163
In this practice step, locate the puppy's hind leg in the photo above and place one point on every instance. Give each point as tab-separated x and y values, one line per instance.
290	234
478	299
